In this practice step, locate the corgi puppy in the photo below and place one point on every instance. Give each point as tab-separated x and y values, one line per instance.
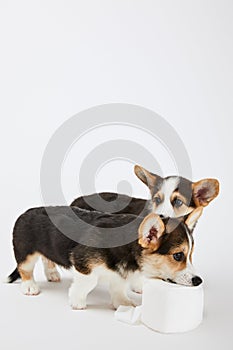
160	248
172	196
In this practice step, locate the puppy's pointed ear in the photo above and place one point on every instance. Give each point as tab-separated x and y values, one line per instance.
150	231
193	218
204	191
146	177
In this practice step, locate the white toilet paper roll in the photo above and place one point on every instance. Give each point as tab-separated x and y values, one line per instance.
171	308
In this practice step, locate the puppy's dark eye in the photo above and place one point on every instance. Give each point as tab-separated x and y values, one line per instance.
177	202
178	256
157	200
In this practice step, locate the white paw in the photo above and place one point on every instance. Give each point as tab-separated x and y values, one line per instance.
78	304
30	288
76	301
79	307
53	276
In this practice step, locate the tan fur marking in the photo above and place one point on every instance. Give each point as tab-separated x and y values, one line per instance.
159	194
25	275
165	264
96	262
50	264
183	210
91	264
26	268
179	196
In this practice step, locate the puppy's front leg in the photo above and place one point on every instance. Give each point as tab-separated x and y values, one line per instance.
118	291
136	282
82	285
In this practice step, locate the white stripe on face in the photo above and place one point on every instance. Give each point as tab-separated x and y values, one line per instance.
185	276
190	250
168	187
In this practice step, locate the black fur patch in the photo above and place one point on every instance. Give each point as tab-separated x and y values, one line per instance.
185	189
34	232
122	204
173	237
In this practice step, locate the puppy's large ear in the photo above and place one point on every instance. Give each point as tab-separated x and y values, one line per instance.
150	231
193	218
146	177
204	191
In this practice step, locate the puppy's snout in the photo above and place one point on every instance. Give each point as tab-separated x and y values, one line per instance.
196	280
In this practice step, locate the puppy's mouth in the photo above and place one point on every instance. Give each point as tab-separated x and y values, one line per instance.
170	281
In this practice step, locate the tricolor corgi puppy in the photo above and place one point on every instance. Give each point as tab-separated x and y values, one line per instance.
172	196
160	248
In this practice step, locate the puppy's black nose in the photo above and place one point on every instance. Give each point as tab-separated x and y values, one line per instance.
196	281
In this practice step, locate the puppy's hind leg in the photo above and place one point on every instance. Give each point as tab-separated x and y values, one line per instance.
25	268
50	270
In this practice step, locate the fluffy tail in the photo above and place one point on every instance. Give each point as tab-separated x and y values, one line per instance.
13	276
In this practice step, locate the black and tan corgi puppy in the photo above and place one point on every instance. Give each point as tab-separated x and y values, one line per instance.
160	248
172	196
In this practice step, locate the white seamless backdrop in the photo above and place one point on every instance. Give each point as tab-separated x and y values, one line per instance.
61	57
